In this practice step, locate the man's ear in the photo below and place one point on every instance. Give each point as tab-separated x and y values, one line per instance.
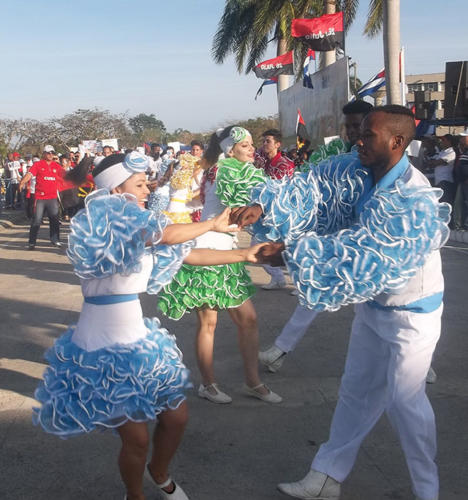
398	141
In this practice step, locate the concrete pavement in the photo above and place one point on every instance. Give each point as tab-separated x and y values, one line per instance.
231	452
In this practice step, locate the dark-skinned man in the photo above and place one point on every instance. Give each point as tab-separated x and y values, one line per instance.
302	317
377	246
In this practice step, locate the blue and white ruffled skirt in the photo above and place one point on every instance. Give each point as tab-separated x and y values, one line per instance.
86	390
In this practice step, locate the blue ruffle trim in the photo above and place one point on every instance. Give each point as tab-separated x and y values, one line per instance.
83	391
108	236
321	200
396	232
167	260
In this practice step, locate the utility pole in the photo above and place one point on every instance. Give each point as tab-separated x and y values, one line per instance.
391	44
330	55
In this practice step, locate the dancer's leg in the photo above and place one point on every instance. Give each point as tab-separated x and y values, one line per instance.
295	328
245	319
132	458
166	439
207	319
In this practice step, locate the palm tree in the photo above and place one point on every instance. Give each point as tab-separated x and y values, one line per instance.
247	26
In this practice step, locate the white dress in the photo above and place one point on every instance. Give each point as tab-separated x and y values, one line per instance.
114	365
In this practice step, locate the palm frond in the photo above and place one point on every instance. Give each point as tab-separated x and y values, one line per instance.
374	18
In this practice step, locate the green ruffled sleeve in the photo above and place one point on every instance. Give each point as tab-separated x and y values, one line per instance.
335	147
235	180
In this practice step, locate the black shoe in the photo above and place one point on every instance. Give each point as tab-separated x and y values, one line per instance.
56	244
31	246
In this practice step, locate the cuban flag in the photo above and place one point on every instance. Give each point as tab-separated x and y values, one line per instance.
271	81
307	75
372	85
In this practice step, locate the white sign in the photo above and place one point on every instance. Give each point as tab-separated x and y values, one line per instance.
321	107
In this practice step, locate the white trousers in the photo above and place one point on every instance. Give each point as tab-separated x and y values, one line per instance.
389	355
275	272
295	328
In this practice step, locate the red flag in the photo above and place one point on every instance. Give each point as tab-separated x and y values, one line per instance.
320	33
281	65
301	131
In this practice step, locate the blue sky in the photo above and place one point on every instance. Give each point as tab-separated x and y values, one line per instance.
142	56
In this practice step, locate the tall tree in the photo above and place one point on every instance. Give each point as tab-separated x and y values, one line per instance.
247	26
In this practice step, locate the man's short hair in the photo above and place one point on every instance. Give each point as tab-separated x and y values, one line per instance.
275	133
402	122
196	143
155	144
358	107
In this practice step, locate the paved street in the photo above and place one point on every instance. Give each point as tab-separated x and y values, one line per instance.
232	452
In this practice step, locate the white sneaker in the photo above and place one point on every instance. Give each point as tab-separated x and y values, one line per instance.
215	396
269	397
177	494
272	358
431	376
315	485
274	285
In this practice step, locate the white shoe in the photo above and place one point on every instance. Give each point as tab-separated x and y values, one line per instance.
270	397
272	358
177	494
274	285
315	485
217	396
431	376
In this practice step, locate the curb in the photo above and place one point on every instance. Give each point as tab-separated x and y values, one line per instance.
9	220
460	236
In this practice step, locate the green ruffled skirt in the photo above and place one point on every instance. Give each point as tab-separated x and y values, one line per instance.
213	287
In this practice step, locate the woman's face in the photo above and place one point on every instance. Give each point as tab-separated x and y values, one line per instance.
136	185
244	150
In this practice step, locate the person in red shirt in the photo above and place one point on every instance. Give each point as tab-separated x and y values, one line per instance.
276	166
270	158
48	176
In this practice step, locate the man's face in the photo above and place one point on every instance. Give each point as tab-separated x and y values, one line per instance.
353	126
156	150
375	142
106	151
270	145
196	151
49	155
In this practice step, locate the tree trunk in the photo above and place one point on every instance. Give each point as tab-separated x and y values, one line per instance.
329	56
391	44
283	80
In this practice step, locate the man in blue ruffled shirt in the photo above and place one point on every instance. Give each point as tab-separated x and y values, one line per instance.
387	261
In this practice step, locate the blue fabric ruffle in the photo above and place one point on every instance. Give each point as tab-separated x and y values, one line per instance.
108	236
321	200
396	231
167	260
83	391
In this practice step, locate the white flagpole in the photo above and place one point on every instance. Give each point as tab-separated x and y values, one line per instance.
403	76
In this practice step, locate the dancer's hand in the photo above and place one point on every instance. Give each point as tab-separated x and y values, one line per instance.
221	223
270	253
255	253
244	216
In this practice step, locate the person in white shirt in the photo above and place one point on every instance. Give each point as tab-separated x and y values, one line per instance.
443	164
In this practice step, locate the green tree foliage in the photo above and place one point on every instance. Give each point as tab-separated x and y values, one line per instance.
246	27
147	128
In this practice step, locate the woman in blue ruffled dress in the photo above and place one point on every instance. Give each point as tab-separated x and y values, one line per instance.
115	368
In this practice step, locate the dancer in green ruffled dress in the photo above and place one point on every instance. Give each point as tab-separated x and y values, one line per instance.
209	289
